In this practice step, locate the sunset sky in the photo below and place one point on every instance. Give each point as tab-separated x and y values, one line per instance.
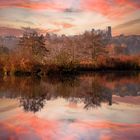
69	16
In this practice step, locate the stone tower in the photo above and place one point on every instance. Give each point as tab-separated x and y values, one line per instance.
109	32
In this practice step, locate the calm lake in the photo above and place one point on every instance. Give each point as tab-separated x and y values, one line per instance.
97	106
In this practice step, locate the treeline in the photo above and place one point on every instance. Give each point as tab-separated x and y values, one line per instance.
31	57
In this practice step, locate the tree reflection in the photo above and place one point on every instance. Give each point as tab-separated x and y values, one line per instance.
34	98
91	90
98	94
33	104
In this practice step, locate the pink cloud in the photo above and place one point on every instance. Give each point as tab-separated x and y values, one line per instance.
32	127
111	9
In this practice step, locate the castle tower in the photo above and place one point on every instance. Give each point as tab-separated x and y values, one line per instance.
109	32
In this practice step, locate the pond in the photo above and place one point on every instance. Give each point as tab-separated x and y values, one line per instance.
92	106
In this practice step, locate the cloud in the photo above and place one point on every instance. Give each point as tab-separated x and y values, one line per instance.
128	28
6	31
105	7
67	25
33	5
131	3
111	9
10	31
43	31
71	10
129	23
63	24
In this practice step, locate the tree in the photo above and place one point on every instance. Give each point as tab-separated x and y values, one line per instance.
63	58
34	44
4	50
121	49
98	45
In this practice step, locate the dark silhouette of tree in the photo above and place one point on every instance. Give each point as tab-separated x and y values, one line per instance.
33	104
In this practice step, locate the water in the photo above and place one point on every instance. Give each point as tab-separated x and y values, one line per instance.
87	107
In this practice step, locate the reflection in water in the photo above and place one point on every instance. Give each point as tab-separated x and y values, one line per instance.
33	104
92	90
86	107
99	93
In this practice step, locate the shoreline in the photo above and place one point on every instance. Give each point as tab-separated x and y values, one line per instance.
65	71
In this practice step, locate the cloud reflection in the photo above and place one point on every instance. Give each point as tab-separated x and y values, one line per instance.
33	127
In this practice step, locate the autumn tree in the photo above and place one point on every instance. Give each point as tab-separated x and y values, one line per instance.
33	44
98	45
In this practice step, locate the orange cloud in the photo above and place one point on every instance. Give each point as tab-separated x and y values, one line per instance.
39	6
53	30
44	31
32	5
63	24
67	25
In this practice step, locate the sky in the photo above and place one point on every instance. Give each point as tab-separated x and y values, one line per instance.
69	16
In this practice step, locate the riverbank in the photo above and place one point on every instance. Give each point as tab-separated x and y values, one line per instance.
35	68
43	70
